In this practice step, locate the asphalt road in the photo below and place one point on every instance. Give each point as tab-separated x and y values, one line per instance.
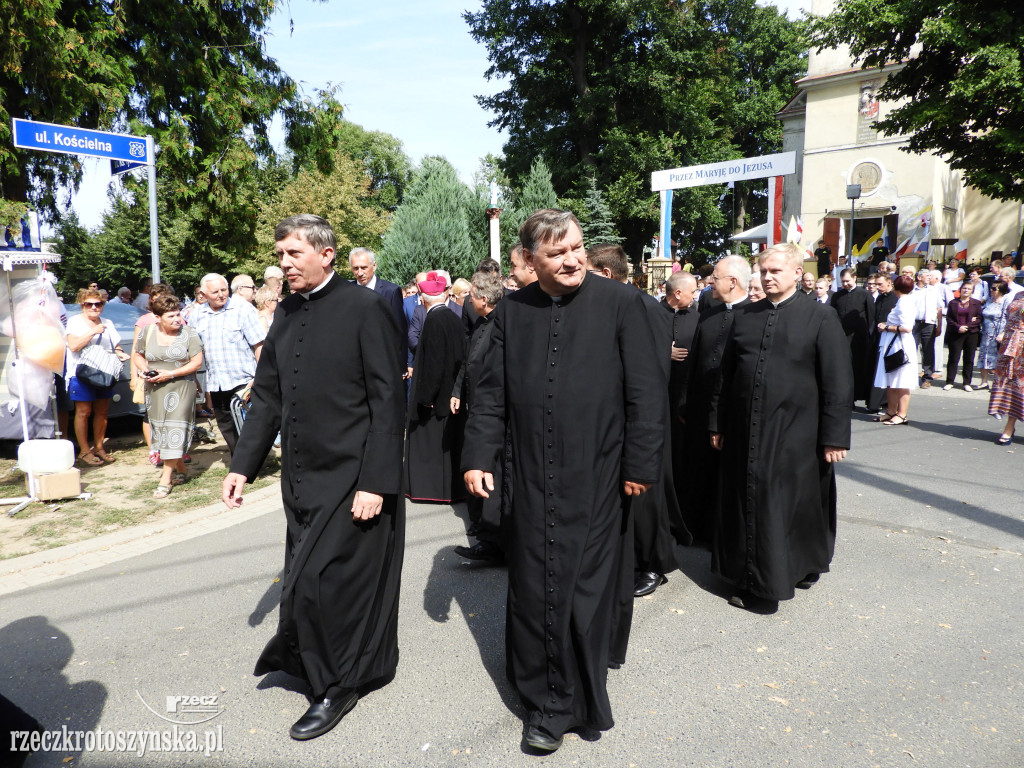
910	653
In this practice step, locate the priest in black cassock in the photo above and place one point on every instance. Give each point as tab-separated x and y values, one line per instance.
657	518
856	311
434	438
329	380
781	416
729	283
886	300
572	371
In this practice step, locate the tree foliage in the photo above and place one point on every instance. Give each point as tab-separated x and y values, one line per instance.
615	90
960	88
596	219
344	197
431	228
192	74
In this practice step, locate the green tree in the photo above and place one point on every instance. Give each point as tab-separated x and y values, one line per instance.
343	197
959	88
382	157
192	74
431	228
619	90
595	217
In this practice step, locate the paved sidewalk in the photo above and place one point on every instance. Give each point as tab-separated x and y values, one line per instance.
49	565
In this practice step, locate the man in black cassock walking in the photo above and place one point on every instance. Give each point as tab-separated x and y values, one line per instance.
729	283
434	438
781	416
856	311
572	371
329	380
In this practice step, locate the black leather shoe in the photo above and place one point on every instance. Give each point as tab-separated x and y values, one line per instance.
539	739
753	603
645	582
323	716
808	581
483	551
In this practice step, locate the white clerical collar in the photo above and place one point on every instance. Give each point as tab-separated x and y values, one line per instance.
776	304
731	304
307	294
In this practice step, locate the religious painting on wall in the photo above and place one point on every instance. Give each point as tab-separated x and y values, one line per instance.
867	111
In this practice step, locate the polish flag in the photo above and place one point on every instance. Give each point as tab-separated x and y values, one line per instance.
961	249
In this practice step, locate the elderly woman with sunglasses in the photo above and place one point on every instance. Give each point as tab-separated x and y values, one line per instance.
84	330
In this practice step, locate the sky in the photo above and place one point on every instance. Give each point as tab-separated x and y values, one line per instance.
406	67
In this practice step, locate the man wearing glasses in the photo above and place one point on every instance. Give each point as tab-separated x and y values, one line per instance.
244	287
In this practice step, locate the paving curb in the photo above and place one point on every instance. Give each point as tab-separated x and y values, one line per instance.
43	567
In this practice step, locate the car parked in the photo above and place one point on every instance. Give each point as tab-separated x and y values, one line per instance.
124	317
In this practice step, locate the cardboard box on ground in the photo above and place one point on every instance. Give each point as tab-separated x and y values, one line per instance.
56	485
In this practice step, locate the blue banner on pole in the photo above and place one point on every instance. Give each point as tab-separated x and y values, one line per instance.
84	142
666	224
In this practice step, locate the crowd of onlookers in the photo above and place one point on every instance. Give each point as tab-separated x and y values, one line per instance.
200	354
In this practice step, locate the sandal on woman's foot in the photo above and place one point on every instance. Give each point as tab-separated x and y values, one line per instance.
178	478
105	457
1004	439
885	418
162	492
90	460
897	421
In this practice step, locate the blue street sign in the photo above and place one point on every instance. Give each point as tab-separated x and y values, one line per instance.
49	137
120	166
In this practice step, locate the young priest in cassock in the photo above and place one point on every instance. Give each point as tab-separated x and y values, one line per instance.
572	371
729	283
856	311
434	438
780	414
329	380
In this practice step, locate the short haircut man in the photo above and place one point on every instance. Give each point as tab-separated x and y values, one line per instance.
781	416
232	338
244	287
611	260
520	270
570	364
698	467
331	384
363	263
142	300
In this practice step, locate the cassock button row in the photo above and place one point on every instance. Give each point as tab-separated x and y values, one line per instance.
551	525
551	541
295	370
555	334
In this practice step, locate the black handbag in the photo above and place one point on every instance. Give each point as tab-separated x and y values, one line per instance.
894	360
97	367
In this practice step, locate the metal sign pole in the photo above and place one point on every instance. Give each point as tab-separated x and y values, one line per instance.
154	242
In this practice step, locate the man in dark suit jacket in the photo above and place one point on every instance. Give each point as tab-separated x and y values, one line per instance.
363	263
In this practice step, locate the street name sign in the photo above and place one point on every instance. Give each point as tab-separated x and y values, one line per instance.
85	142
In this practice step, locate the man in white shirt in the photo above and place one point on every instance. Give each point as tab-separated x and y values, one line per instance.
928	323
124	296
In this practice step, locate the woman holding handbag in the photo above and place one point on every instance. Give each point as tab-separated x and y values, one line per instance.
91	401
897	369
1007	398
168	353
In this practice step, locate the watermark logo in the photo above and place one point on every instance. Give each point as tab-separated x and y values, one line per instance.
186	710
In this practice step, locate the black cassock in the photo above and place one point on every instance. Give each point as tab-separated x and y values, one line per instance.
435	433
683	326
579	383
883	306
657	519
786	392
856	311
329	380
702	465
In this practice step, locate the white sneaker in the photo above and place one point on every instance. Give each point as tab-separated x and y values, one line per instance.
947	388
968	388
